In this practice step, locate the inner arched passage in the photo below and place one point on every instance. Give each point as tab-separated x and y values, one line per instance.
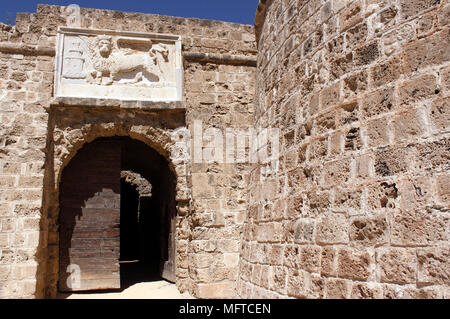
117	216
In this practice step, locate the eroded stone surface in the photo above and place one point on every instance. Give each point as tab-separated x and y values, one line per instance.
371	135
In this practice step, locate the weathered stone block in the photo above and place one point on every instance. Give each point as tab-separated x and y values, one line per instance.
278	279
378	102
31	224
424	293
7	181
275	254
270	232
440	115
291	258
337	288
227	245
349	201
417	89
22	272
355	264
386	72
314	104
4	240
356	35
444	16
434	266
352	140
335	45
317	288
325	122
327	261
387	17
332	229
265	275
347	113
415	193
418	228
369	231
11	168
336	141
318	149
8	225
298	282
330	96
366	291
410	8
5	210
341	65
201	260
351	15
231	259
201	187
397	265
29	288
30	181
392	161
355	84
377	132
394	39
336	173
310	257
425	25
443	189
303	230
409	125
432	50
366	54
5	272
318	201
433	155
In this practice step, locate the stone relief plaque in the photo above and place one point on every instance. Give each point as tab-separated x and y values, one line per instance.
118	65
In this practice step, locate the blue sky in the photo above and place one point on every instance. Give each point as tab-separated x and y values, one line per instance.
239	11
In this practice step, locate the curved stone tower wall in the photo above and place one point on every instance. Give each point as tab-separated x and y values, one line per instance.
39	135
359	207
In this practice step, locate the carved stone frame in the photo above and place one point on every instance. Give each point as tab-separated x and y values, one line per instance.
65	31
67	135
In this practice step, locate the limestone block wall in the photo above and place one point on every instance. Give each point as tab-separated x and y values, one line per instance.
39	137
359	207
221	96
26	87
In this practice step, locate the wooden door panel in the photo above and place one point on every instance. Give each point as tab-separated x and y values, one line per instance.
89	219
167	268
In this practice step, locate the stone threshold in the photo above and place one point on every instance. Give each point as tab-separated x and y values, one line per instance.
116	103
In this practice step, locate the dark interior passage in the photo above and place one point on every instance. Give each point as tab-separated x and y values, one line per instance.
145	220
130	236
140	256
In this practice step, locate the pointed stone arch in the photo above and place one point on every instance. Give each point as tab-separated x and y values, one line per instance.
70	129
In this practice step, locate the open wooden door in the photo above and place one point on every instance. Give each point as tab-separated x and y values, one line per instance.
89	219
167	268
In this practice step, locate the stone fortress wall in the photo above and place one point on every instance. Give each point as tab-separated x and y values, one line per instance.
359	205
39	136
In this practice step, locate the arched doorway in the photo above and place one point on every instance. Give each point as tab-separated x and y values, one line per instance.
117	217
